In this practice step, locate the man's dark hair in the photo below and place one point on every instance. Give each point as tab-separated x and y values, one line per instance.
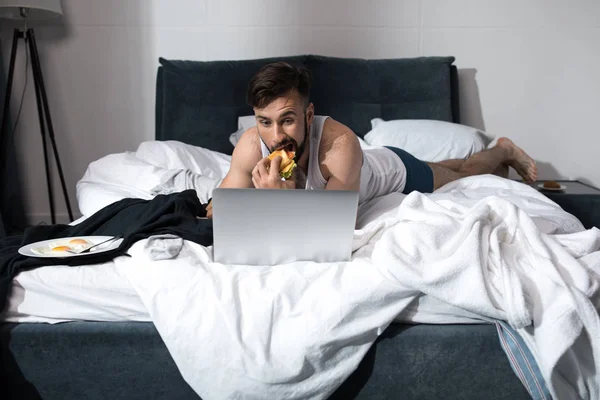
276	79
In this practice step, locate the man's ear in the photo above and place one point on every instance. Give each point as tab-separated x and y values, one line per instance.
310	113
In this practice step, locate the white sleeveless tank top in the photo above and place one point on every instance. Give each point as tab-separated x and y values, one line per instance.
382	171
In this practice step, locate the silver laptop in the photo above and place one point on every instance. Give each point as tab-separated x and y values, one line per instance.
271	226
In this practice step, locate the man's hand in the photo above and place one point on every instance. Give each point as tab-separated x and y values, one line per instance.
299	177
266	175
209	209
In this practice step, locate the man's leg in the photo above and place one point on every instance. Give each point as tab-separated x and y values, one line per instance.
487	162
457	163
454	164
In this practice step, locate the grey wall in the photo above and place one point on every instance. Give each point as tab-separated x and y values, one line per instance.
529	68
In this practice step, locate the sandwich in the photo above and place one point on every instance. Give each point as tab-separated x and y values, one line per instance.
287	162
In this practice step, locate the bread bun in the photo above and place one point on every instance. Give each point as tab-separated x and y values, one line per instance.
552	185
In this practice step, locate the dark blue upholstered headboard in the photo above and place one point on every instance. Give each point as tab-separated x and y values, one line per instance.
199	102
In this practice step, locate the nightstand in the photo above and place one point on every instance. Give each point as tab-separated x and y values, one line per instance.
579	199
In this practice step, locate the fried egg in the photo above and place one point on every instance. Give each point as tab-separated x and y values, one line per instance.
75	242
60	247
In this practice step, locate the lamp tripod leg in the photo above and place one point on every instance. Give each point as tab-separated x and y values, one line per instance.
5	131
44	110
38	100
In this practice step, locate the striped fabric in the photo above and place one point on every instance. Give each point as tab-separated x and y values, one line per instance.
522	362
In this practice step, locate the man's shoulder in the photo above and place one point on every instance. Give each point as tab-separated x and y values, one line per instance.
337	141
249	141
250	136
339	152
336	134
332	126
247	151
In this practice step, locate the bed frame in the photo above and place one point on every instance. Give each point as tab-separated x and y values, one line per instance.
198	103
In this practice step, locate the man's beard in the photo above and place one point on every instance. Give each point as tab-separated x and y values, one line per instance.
302	146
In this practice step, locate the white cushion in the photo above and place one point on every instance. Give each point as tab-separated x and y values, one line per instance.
428	140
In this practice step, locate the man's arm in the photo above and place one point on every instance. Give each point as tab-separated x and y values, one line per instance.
244	158
343	158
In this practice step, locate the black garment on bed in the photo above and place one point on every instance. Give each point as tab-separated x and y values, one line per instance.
135	219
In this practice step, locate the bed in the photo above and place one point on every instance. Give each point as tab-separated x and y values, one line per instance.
105	332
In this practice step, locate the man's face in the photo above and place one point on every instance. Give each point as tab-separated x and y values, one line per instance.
284	123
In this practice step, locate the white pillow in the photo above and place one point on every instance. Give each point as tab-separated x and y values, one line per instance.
123	175
234	138
244	123
171	154
247	122
428	140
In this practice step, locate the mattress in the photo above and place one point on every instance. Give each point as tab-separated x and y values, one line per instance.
55	294
60	293
102	293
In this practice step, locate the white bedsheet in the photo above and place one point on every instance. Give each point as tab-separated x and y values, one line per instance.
483	247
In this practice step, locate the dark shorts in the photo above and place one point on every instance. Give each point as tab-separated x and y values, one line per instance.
419	175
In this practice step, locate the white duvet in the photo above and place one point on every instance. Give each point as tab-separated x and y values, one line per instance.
489	247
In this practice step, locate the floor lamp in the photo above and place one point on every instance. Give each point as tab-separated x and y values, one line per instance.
26	11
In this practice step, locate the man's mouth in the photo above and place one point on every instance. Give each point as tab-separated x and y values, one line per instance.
287	147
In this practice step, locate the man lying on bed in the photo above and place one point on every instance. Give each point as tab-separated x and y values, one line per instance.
328	153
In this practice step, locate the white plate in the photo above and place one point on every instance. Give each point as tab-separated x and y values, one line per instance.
43	248
541	186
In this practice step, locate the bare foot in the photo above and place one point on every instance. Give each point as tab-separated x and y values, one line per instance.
519	160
